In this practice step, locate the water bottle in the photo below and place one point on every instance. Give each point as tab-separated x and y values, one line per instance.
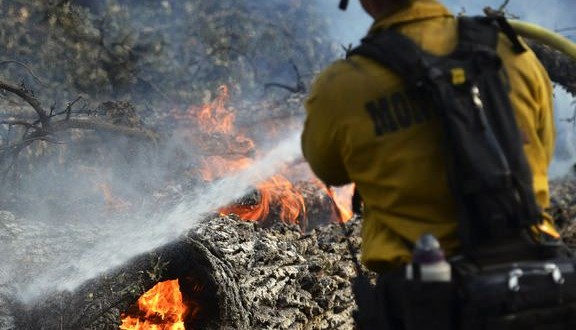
429	263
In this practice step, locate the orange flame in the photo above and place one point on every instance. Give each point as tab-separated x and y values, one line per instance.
113	204
162	309
276	191
101	180
342	197
216	121
213	117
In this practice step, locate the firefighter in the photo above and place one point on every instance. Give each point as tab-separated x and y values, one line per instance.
399	170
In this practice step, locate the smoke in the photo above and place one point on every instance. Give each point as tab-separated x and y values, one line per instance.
138	235
63	234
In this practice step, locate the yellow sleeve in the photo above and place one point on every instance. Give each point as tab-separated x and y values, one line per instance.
321	139
546	129
547	134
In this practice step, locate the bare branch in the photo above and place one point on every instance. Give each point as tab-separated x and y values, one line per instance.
17	123
69	106
300	86
100	125
29	98
40	81
503	6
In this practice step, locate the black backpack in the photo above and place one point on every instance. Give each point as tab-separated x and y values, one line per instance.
488	172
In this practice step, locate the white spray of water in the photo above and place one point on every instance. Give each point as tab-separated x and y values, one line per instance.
137	237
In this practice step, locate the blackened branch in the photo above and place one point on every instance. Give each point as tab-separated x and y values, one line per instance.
300	86
29	98
40	81
503	6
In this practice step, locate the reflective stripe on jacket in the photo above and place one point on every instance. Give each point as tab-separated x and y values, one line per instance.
401	173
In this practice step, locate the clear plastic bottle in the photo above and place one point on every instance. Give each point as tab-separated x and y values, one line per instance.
429	259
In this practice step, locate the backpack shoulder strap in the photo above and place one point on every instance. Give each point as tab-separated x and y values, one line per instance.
477	32
403	56
483	31
395	51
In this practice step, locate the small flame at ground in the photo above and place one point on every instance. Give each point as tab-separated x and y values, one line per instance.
161	308
342	197
101	179
276	191
214	117
113	204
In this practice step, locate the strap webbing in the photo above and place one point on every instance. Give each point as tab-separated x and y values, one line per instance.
394	51
508	30
403	56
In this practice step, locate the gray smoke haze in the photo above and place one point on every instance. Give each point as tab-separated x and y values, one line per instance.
62	235
118	242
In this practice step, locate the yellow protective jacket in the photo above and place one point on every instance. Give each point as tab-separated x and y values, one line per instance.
401	174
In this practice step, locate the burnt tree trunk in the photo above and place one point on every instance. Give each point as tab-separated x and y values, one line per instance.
561	68
250	278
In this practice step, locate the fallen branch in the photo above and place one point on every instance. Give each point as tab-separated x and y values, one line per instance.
40	81
101	125
119	120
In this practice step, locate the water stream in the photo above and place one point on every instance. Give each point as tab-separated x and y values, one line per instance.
114	244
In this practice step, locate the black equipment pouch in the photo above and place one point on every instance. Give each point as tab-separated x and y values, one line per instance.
422	305
520	296
526	295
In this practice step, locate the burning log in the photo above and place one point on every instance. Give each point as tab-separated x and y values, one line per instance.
232	275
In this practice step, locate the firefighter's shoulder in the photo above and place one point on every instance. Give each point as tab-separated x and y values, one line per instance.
354	73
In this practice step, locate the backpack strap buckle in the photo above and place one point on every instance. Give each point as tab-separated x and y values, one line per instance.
556	273
514	279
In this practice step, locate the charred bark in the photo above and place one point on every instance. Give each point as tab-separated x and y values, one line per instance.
561	68
251	278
